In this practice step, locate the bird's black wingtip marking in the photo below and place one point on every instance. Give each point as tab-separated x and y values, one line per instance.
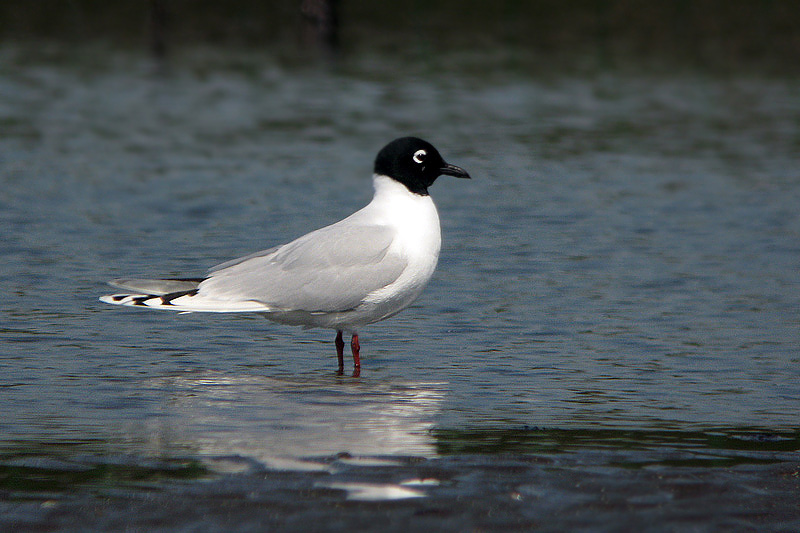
140	300
167	298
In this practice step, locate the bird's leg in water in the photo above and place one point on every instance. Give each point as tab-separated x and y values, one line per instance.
355	347
340	351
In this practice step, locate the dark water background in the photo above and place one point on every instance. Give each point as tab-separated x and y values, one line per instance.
611	340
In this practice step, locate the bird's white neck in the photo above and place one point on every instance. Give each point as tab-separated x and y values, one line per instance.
399	204
413	216
384	185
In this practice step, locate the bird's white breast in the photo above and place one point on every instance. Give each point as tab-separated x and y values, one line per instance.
418	240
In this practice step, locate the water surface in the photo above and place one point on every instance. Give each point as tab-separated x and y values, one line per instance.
611	337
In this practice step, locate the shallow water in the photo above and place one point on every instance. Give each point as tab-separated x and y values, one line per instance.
610	341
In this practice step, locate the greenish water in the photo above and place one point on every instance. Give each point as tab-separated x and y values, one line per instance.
610	341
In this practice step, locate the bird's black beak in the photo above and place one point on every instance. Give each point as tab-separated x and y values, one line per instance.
452	170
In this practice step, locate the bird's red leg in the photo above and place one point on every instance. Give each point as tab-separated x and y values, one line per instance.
340	350
355	347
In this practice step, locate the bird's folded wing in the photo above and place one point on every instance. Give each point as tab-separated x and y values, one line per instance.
156	286
331	269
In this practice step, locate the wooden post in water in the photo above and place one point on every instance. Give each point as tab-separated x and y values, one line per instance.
158	19
321	24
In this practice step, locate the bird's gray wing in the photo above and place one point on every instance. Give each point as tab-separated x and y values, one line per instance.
238	260
331	269
156	286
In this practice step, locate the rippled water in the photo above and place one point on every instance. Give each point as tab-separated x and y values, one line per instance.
610	341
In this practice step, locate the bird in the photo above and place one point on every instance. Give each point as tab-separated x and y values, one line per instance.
363	269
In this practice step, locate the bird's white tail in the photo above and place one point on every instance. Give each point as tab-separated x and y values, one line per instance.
180	295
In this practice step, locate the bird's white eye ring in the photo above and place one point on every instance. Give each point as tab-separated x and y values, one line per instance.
419	156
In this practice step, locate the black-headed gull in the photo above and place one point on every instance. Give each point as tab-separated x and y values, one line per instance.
360	270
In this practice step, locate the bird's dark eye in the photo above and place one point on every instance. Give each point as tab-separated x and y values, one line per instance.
419	156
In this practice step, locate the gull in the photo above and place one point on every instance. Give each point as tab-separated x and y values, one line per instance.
362	269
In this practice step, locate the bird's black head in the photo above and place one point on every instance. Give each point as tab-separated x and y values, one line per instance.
414	163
